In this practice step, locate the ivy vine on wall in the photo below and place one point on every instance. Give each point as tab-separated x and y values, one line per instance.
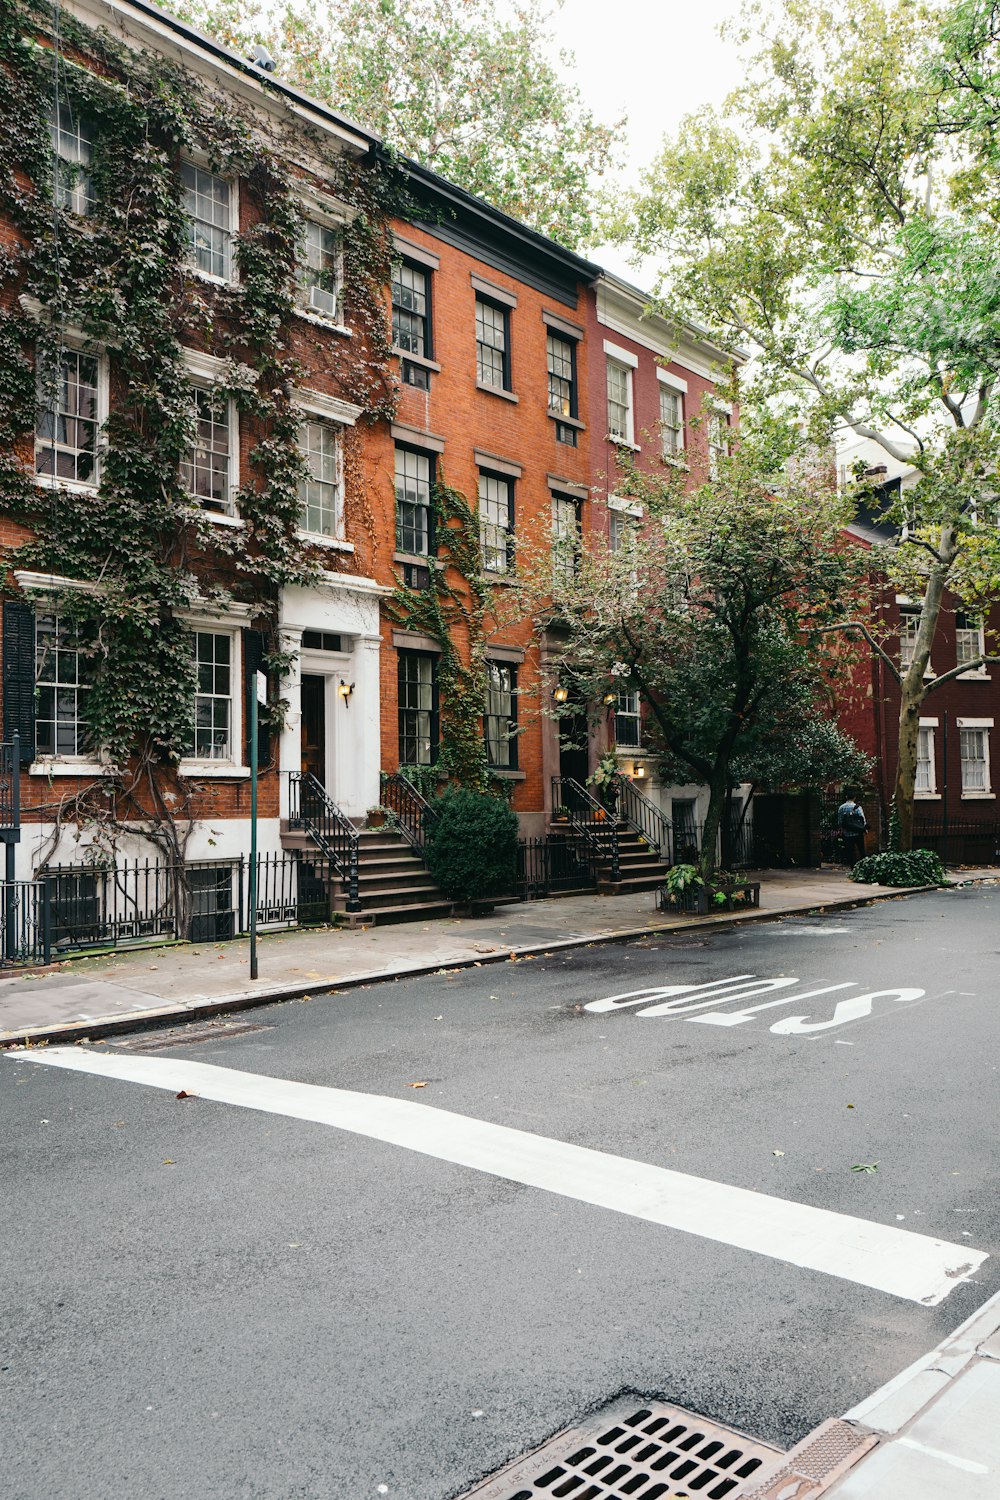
115	277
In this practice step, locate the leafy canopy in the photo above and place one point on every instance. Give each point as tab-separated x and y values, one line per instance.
476	93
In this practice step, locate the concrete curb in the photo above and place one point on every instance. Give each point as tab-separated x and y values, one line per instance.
144	1020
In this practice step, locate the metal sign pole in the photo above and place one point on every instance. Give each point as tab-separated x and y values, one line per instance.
258	696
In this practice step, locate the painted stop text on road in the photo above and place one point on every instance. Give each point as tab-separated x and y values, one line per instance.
825	1008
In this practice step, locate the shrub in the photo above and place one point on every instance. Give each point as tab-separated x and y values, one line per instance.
917	867
471	848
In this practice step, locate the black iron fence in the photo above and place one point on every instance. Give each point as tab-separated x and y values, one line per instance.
311	808
414	814
24	925
959	841
553	864
79	908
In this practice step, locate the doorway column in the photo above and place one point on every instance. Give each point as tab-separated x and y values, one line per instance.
291	689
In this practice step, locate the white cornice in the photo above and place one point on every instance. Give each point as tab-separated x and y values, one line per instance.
319	404
624	310
141	29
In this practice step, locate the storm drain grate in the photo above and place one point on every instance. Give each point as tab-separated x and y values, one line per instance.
635	1451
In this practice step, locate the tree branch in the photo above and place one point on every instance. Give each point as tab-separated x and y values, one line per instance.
960	671
873	643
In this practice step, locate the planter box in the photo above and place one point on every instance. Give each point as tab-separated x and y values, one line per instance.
699	900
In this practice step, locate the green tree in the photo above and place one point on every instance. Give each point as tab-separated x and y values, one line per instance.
840	217
476	94
713	609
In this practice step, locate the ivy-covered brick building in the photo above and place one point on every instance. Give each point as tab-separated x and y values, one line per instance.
272	401
193	332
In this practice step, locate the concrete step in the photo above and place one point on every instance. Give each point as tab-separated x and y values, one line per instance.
399	895
418	912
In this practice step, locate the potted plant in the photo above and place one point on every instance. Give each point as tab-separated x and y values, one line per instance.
607	779
684	890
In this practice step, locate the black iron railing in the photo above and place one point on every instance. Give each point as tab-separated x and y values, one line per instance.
10	790
592	821
635	809
24	927
554	864
312	810
94	906
289	892
414	814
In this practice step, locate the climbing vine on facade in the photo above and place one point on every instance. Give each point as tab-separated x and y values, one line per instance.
447	609
114	280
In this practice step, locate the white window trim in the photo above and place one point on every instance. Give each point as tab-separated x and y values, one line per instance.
622	356
931	794
667	377
987	795
629	371
627	507
40	587
201	159
328	408
312	203
204	372
321	538
305	309
975	674
80	344
231	623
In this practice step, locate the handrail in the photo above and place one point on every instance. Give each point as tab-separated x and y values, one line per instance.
636	809
312	809
413	812
590	820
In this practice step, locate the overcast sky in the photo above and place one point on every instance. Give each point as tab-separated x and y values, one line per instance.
656	61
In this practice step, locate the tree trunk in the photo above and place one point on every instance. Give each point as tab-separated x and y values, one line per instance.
718	788
914	687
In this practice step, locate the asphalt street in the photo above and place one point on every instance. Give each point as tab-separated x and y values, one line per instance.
209	1300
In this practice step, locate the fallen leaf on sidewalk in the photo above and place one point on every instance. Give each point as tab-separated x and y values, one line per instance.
416	1085
167	1162
184	1094
865	1166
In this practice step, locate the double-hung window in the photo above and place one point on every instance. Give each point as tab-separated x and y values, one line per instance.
68	418
909	626
496	521
619	402
73	151
500	717
320	495
970	641
627	720
411	321
62	681
213	703
208	206
565	538
414	506
561	361
671	421
719	440
418	708
320	271
926	780
492	345
975	749
206	471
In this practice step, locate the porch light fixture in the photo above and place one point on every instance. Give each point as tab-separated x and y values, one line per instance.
345	690
560	694
638	770
609	699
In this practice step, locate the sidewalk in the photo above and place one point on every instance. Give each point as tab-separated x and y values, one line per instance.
939	1437
114	992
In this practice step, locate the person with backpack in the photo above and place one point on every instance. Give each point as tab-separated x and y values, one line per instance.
852	823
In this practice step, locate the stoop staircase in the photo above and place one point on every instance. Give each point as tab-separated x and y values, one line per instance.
373	875
628	847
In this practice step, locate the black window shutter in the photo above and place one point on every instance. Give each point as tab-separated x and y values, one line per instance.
19	676
253	662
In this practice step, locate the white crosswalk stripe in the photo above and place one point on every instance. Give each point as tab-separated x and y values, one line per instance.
896	1261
